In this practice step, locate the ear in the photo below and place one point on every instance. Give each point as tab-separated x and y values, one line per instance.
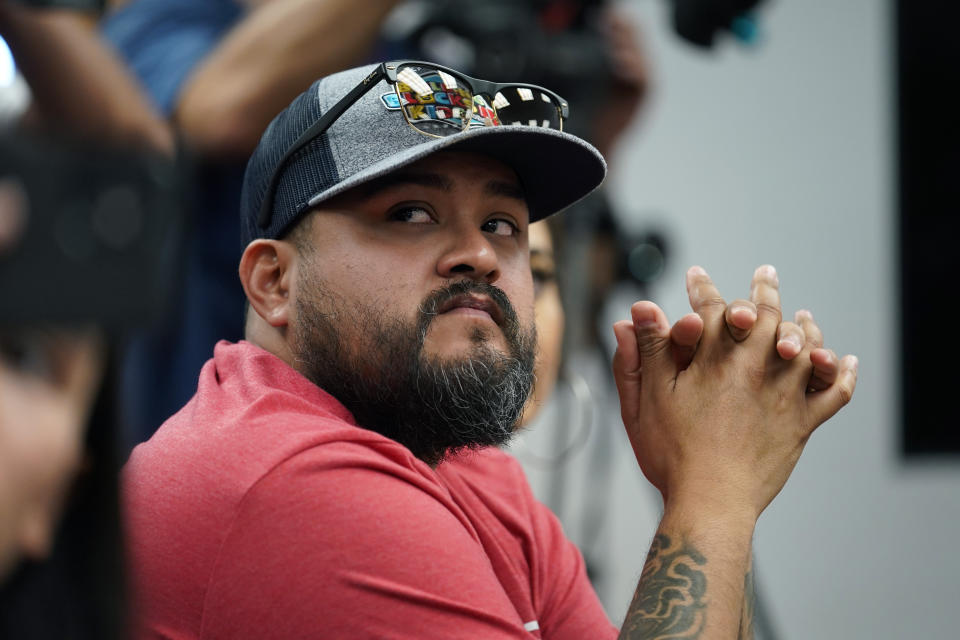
267	270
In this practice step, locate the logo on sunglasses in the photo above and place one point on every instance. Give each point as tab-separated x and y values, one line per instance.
390	101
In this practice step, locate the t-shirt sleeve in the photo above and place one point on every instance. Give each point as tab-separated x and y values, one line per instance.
163	41
340	538
568	607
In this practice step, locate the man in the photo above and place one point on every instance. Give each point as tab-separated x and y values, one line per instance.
335	474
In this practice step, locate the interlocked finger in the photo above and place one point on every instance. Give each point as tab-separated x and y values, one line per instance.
765	294
706	301
810	328
826	368
825	403
684	338
790	340
740	317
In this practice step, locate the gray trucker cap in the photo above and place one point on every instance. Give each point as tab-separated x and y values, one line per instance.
371	139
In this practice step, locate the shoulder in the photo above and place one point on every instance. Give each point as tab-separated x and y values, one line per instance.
252	416
349	506
366	535
226	450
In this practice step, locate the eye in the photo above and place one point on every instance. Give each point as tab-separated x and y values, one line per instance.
412	213
542	278
500	227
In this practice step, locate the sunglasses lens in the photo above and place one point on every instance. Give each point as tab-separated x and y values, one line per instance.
439	103
527	106
434	101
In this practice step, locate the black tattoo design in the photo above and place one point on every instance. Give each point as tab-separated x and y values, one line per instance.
669	602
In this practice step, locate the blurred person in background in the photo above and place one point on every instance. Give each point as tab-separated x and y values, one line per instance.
61	570
219	70
61	573
607	115
60	541
548	316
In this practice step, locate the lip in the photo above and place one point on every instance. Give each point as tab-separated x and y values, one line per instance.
473	301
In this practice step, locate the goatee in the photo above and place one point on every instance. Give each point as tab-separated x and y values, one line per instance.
432	406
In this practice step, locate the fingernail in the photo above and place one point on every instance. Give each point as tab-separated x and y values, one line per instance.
738	313
696	270
793	340
804	313
643	316
854	363
767	271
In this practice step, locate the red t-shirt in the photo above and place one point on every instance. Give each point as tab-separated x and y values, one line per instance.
260	510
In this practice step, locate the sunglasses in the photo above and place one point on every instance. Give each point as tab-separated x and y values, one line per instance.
437	101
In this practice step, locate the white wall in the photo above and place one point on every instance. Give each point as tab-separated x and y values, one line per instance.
783	154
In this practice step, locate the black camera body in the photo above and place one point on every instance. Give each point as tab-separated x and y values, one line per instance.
544	42
100	234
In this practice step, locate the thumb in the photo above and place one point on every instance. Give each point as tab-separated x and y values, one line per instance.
636	352
824	404
626	370
653	340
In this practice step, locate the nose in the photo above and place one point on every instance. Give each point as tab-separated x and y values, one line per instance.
469	253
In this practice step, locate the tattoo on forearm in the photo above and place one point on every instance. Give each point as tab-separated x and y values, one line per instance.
749	600
669	602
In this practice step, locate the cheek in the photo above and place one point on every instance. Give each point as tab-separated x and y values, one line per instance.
360	294
517	282
550	322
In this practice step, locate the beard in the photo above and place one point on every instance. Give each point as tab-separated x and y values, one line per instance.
432	406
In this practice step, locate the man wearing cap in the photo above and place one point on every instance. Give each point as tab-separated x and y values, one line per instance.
336	476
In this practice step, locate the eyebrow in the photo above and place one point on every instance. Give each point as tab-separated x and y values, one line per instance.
504	189
496	188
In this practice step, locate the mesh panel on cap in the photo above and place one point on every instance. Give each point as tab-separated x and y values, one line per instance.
309	171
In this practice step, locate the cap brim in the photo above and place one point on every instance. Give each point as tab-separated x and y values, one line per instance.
555	169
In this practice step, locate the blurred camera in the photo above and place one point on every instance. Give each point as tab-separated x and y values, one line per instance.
93	234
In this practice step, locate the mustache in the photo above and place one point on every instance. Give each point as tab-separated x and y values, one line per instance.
438	297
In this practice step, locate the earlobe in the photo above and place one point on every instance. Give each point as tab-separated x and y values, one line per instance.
266	271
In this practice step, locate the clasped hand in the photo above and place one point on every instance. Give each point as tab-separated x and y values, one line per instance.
719	407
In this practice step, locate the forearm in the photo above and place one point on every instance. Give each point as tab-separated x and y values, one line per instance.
692	585
749	602
271	56
78	84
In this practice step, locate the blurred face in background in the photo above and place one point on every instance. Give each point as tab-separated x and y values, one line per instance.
48	382
548	314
